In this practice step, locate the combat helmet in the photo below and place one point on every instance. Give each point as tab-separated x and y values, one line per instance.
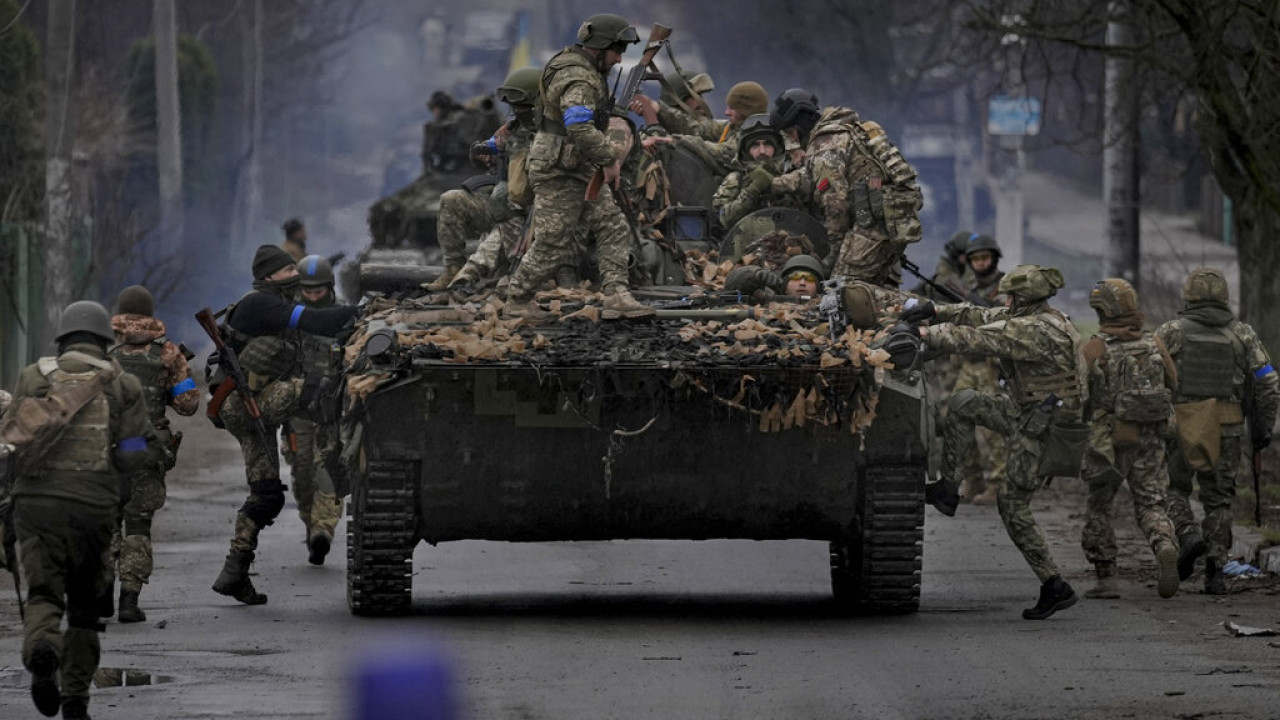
958	246
606	29
315	271
136	300
755	128
1206	284
1113	298
1030	283
88	317
804	263
979	244
520	87
796	108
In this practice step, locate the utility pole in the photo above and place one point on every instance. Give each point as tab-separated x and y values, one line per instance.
60	123
1120	153
964	160
168	126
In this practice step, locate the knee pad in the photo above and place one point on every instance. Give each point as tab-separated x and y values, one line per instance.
265	501
960	399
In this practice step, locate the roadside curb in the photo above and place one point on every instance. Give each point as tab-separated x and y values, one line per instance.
1246	543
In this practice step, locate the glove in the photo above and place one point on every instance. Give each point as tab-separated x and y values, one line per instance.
916	311
904	347
481	154
750	278
319	399
759	181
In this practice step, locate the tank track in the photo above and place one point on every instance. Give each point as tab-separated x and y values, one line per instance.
876	567
381	535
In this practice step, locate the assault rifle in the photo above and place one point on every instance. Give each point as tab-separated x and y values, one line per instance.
832	307
638	74
942	290
239	382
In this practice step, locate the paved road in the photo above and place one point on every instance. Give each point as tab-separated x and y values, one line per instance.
670	629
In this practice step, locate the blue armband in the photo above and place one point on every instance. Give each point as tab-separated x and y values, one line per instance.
297	313
578	114
1263	371
137	443
185	386
492	145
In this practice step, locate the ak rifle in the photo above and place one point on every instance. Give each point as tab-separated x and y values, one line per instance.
230	364
942	290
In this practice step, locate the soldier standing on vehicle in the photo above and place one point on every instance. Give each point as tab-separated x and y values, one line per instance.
1221	365
264	329
295	238
67	504
314	444
569	148
1129	409
857	182
1036	348
144	351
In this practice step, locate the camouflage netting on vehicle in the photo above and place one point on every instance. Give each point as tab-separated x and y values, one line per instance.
776	361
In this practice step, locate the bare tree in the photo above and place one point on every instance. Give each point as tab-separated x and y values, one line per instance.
59	141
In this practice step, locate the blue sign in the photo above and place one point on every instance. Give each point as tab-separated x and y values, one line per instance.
1009	115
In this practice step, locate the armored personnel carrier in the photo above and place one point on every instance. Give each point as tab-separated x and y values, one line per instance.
712	419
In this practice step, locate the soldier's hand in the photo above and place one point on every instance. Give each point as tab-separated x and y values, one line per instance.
916	311
653	141
611	174
759	181
646	107
481	155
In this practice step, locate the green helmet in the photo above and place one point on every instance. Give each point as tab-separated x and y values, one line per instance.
521	87
1113	298
86	316
1206	284
601	31
958	245
754	128
983	243
1032	282
315	271
806	263
686	85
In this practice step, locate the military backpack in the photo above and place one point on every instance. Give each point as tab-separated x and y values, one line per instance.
73	416
1136	390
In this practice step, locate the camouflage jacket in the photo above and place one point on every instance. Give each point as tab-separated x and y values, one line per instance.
570	143
1249	357
678	122
1032	343
135	334
732	201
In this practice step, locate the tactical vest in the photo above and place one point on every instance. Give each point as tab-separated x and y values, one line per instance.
150	370
552	118
85	446
1033	385
321	356
265	358
1135	389
1208	360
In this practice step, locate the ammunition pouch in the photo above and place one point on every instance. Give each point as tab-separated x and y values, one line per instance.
1063	451
1200	430
863	214
1144	406
1125	434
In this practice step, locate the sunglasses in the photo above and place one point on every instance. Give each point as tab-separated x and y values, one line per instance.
802	276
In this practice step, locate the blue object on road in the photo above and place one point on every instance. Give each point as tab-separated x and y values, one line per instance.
1237	569
406	682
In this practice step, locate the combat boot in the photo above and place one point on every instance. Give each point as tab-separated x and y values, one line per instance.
1055	595
75	708
318	544
526	309
442	283
1167	562
943	495
44	679
1108	586
234	579
1190	549
1214	582
129	610
621	304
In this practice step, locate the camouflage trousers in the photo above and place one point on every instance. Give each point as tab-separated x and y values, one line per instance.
318	503
869	256
998	412
560	208
61	546
1217	490
277	401
131	550
1105	470
980	375
494	249
464	216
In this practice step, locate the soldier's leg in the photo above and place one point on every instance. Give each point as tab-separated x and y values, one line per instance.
463	216
868	258
1098	538
43	550
491	250
81	651
969	470
966	410
558	206
1148	478
136	559
1014	502
1178	498
1217	491
304	469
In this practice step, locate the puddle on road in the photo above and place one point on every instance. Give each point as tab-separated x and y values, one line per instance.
107	677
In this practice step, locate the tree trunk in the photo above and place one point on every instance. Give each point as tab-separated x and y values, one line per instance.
168	127
59	141
1257	225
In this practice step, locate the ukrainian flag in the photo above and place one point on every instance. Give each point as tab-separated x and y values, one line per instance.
522	51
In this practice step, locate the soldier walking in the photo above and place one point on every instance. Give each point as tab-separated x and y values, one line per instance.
1130	378
66	504
144	351
1035	345
1220	364
264	329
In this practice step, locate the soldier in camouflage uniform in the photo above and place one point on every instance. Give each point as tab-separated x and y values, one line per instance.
714	141
464	214
264	328
1218	359
144	351
67	503
857	182
568	150
982	262
760	159
1036	348
1130	380
315	459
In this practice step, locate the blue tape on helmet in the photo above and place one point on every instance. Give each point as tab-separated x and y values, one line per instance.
578	114
311	264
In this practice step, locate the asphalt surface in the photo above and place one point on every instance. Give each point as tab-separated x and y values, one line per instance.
721	629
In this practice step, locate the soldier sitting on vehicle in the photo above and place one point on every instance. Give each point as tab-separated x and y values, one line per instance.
716	142
760	159
801	277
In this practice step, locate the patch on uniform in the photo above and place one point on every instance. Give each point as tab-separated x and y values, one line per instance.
824	184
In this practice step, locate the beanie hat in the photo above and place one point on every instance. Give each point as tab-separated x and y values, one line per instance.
268	259
748	98
135	300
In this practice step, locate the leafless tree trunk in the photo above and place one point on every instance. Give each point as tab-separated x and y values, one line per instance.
1120	154
59	141
168	126
248	197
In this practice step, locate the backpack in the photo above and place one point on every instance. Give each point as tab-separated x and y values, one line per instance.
38	424
1136	386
